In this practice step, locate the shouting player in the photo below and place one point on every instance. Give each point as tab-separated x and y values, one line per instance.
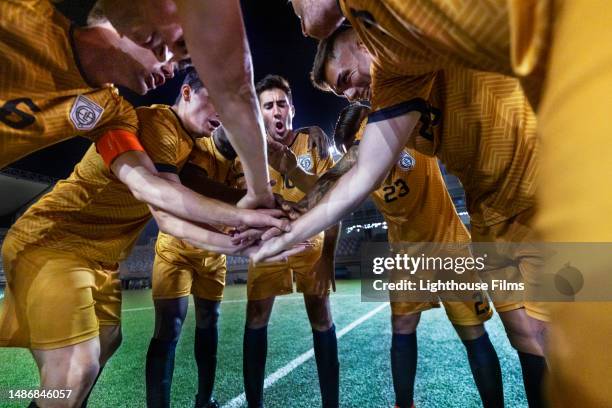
312	269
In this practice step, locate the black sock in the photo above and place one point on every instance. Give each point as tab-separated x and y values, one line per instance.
486	370
205	350
33	405
534	368
160	367
403	367
326	355
255	350
84	404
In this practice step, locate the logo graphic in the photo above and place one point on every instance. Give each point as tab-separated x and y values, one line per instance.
569	280
406	161
85	114
305	162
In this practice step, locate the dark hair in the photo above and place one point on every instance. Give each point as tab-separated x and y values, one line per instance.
348	124
274	82
325	51
193	80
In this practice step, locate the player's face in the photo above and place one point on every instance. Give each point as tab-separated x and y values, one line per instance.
152	24
348	72
199	115
277	112
143	72
319	18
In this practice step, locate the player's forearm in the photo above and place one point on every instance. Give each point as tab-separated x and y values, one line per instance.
199	236
324	183
219	49
177	199
195	179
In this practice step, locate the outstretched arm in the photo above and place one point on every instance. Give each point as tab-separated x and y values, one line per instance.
381	144
137	171
218	46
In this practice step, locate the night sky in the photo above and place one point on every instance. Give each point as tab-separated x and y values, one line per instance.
277	47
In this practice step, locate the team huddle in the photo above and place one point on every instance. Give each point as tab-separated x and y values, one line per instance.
492	90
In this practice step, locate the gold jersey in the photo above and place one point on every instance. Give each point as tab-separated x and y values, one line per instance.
44	98
94	214
483	129
308	159
417	38
219	168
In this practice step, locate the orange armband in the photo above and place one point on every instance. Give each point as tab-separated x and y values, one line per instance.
116	142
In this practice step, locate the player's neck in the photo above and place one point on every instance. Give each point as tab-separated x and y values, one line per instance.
289	138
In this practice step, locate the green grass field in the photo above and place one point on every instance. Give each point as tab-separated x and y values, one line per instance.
443	379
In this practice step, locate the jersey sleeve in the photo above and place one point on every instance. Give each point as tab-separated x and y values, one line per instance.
395	95
160	140
115	113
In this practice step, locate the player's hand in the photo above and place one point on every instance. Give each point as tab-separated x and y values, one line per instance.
272	249
292	209
262	218
317	139
281	158
253	201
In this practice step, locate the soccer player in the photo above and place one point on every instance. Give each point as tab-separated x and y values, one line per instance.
543	44
482	127
213	31
63	293
417	208
55	80
179	270
313	269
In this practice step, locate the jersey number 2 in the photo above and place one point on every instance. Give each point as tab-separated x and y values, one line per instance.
398	189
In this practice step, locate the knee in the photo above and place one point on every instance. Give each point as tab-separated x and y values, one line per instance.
469	332
405	324
523	339
258	314
169	328
207	314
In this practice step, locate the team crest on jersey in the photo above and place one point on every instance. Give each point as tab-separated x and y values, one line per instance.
305	162
85	113
406	161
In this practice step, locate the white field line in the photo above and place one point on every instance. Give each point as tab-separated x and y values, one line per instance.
279	298
240	400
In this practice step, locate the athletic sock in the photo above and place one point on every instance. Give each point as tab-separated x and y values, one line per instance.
486	370
534	368
159	370
205	350
326	355
33	405
403	367
86	400
255	350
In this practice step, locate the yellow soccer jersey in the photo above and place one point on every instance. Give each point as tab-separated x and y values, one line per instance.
93	213
207	157
308	160
484	131
44	98
417	38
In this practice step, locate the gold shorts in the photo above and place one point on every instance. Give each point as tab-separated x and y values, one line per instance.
55	298
459	313
513	263
199	272
276	278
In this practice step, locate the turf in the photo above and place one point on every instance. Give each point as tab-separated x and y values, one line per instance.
443	378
